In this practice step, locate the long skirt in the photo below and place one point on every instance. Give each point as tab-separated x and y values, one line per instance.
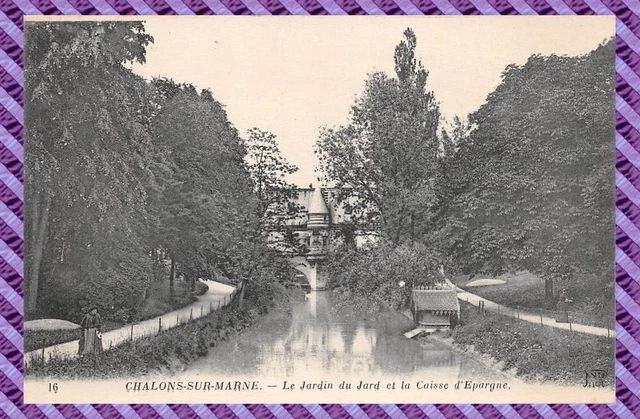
562	315
92	343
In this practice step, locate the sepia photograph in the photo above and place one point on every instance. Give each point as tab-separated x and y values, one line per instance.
319	209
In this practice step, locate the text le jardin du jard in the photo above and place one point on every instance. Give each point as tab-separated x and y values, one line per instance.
468	385
171	386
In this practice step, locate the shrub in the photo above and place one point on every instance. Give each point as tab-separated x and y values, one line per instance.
535	351
381	275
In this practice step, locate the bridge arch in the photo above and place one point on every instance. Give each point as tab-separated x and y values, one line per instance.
302	265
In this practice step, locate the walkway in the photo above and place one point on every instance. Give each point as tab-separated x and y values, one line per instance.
532	317
218	295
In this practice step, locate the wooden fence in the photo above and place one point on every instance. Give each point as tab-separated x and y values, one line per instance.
565	320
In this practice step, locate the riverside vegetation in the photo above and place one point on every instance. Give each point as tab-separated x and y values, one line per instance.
171	349
134	183
535	352
523	184
157	304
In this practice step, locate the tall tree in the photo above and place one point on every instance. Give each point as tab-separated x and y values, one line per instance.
276	196
207	208
535	179
387	155
86	151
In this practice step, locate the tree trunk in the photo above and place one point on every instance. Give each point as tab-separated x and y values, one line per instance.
241	297
38	232
172	275
154	257
413	227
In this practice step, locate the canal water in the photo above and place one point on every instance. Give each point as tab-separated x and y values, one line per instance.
312	339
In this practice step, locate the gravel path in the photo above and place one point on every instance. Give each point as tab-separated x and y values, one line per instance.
532	317
218	295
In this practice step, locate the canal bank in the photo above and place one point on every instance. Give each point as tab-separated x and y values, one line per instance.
305	350
312	337
164	353
535	353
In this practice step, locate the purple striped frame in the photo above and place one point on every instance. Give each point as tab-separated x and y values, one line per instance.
627	200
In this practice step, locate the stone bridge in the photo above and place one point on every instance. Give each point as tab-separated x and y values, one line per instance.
317	280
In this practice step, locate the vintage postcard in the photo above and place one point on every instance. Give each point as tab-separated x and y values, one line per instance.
319	209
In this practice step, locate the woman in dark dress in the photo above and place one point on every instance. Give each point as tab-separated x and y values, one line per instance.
91	340
562	315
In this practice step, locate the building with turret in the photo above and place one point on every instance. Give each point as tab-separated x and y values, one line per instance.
325	210
322	212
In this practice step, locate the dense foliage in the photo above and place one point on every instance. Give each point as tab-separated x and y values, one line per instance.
534	178
388	155
380	276
85	165
128	181
526	184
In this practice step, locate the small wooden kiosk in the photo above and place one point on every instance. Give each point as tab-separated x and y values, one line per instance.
435	307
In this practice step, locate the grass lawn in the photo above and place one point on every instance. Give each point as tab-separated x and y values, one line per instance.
594	303
158	302
536	352
521	289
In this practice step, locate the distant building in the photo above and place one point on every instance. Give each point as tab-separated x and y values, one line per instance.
322	213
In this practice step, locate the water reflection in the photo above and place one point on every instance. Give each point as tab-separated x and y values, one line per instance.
311	338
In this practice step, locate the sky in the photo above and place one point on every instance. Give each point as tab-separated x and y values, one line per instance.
292	75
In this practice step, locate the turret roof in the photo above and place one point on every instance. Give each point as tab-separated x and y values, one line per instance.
317	205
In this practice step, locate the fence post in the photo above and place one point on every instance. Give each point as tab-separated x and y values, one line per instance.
608	328
42	354
191	314
225	301
218	305
210	306
542	324
177	319
518	308
159	324
131	331
570	326
201	310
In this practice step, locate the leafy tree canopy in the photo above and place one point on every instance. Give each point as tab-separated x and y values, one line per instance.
535	175
387	155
